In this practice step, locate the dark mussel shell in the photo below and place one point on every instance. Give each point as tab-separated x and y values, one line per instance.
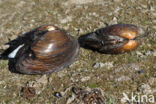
43	50
114	39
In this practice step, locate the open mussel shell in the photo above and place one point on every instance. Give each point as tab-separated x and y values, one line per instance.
43	50
114	39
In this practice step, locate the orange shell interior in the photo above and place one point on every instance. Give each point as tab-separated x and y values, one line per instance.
130	45
128	34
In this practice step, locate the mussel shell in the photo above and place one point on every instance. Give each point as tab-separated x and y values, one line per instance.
118	38
50	49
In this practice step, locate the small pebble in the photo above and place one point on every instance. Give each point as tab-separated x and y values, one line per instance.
145	89
84	79
123	78
139	54
134	66
58	94
101	65
148	53
140	71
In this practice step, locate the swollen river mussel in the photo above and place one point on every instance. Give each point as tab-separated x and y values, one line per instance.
43	50
118	38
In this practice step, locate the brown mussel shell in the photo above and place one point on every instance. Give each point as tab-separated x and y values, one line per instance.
45	49
114	39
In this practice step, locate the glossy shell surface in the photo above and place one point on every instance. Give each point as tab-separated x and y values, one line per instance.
118	38
46	49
